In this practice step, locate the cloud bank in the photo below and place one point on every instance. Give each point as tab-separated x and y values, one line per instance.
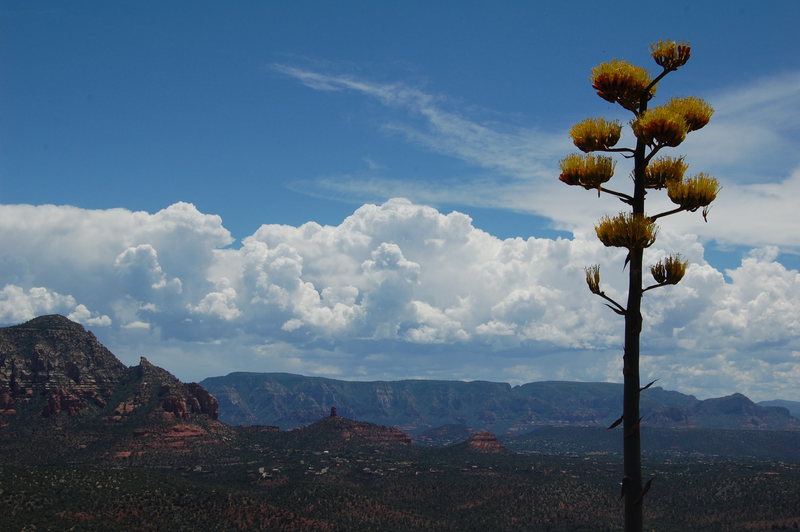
395	290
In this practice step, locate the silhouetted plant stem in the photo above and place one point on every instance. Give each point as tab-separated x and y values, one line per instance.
664	126
632	447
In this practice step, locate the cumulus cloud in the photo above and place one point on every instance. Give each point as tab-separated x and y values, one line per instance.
395	290
18	304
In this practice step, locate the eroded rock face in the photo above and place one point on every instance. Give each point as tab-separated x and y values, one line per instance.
55	358
203	401
64	400
163	396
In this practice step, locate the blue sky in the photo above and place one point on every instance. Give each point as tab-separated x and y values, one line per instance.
130	131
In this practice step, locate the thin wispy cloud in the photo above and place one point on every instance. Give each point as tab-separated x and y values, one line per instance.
753	135
513	151
773	100
747	146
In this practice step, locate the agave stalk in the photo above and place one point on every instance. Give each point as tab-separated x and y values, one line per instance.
661	127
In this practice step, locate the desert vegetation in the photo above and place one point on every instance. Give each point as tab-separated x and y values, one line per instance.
368	489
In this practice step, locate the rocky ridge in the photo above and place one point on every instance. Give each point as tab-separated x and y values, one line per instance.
58	383
172	398
334	431
419	406
52	364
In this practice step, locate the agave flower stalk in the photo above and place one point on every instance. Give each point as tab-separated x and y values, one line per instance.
663	126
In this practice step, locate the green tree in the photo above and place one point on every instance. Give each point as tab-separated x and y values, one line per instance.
660	127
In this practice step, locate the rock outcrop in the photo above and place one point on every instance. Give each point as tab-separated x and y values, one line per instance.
485	442
62	390
54	365
51	365
162	395
334	431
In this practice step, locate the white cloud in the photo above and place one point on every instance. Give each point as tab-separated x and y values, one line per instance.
512	153
757	214
136	325
138	267
395	290
81	314
18	304
753	133
221	304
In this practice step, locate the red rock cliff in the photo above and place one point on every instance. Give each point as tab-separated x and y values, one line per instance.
58	359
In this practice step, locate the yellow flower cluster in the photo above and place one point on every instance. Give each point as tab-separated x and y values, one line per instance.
693	193
595	134
661	125
626	230
695	111
620	82
663	170
670	270
588	171
670	54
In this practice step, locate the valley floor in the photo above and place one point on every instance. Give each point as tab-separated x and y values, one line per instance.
382	489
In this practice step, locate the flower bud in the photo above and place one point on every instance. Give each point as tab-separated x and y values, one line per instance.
626	230
663	170
670	54
620	82
593	278
595	134
670	270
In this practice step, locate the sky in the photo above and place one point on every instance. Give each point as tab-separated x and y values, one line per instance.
368	190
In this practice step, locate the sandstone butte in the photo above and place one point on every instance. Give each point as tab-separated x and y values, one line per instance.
485	442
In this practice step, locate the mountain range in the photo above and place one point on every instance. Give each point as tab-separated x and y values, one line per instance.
416	406
61	387
88	443
64	397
